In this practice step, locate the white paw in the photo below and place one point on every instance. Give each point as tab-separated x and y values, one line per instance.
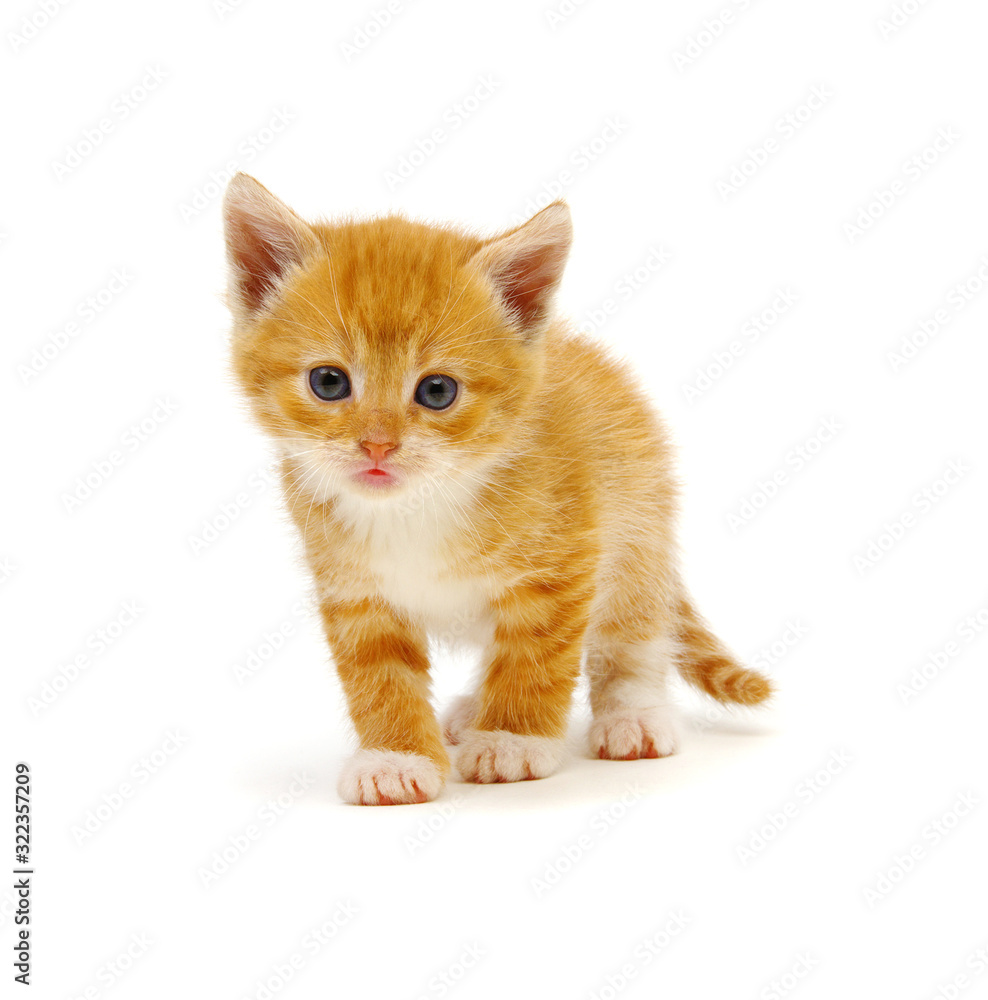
388	778
630	733
459	718
486	757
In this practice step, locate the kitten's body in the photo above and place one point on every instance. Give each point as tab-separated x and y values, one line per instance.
534	515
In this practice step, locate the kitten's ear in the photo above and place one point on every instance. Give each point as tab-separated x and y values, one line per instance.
264	240
526	264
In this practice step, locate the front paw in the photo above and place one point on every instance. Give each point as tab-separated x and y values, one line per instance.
630	734
487	757
389	778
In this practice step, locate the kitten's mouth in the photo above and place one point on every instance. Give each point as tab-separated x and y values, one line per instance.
376	477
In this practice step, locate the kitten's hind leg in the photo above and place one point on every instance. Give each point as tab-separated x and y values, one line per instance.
633	713
459	718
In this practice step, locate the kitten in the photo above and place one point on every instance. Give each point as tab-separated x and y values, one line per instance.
460	465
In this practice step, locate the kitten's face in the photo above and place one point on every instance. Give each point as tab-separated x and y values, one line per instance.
385	358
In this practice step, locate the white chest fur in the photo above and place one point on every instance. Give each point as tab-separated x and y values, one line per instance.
409	551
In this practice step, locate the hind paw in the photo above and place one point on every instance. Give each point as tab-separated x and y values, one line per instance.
459	719
631	734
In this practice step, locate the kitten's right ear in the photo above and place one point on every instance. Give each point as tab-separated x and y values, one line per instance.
264	240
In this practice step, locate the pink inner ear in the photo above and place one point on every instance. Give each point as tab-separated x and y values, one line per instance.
260	264
527	278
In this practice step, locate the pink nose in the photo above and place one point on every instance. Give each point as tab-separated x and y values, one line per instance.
377	449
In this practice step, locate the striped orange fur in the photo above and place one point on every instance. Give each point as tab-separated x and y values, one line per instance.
533	514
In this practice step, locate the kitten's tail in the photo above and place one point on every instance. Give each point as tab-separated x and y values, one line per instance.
708	665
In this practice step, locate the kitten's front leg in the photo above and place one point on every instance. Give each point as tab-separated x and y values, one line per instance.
519	729
384	669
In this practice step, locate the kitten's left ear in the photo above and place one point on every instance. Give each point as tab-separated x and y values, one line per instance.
264	240
526	264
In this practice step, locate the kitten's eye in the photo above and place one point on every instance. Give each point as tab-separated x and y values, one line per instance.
436	392
329	383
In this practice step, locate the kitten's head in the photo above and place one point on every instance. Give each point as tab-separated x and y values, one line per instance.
387	355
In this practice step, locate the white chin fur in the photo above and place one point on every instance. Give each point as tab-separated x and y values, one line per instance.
387	777
487	757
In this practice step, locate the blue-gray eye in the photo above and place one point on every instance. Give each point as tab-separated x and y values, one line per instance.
329	383
436	392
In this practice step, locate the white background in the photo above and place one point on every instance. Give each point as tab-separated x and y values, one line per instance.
826	844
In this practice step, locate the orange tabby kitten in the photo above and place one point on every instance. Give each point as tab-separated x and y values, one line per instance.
459	464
